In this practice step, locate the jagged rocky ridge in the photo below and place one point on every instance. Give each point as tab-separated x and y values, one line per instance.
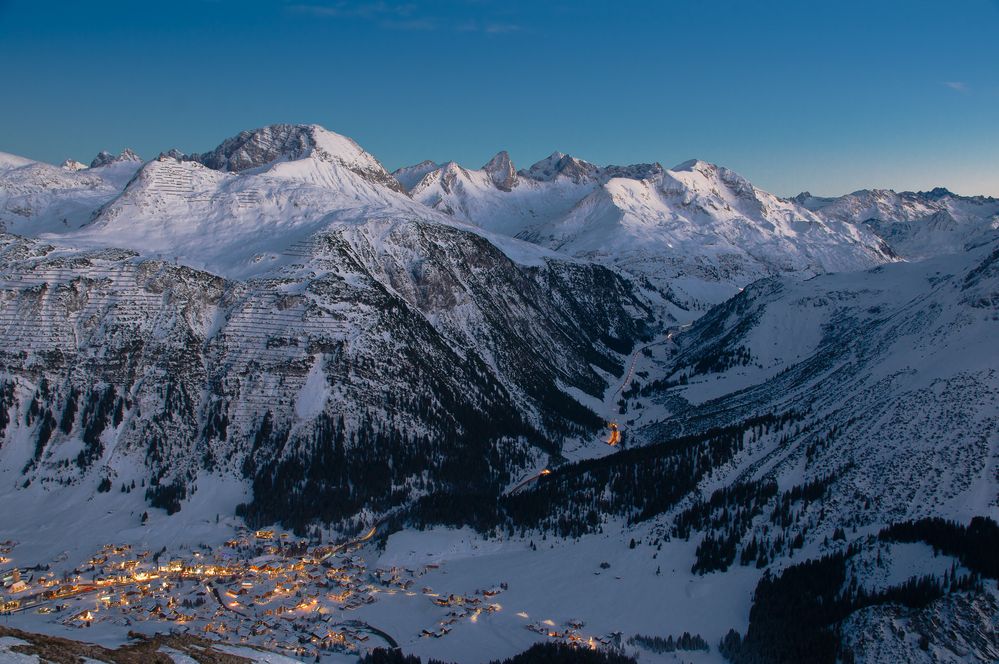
917	225
261	147
692	235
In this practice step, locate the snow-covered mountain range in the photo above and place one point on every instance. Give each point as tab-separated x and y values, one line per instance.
338	345
696	232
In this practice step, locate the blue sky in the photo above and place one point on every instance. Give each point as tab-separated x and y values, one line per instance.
802	94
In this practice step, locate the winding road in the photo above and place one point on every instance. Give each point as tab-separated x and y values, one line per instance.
634	361
532	478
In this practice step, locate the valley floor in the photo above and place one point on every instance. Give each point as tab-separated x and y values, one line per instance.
442	593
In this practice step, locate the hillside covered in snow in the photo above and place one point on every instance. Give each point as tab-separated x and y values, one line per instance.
411	376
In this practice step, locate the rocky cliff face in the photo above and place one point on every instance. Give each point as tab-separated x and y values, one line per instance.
267	145
105	158
395	360
501	171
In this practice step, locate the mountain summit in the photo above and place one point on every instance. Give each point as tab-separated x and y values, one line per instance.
105	158
560	165
286	142
501	171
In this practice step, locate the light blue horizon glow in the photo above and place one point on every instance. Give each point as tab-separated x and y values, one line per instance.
796	95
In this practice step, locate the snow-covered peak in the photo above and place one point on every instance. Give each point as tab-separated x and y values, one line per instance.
633	171
703	231
889	206
453	168
246	223
501	171
73	165
259	147
560	165
410	176
693	165
916	224
865	204
330	146
173	153
105	158
704	176
8	161
806	200
706	168
448	177
240	223
698	220
495	197
285	142
37	197
937	193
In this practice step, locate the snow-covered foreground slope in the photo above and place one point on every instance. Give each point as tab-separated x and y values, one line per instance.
798	418
279	303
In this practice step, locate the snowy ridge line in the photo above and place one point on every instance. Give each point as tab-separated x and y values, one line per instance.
706	223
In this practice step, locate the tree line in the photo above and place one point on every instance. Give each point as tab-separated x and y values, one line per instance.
540	653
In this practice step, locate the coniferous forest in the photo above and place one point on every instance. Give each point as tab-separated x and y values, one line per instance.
572	499
541	653
796	614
